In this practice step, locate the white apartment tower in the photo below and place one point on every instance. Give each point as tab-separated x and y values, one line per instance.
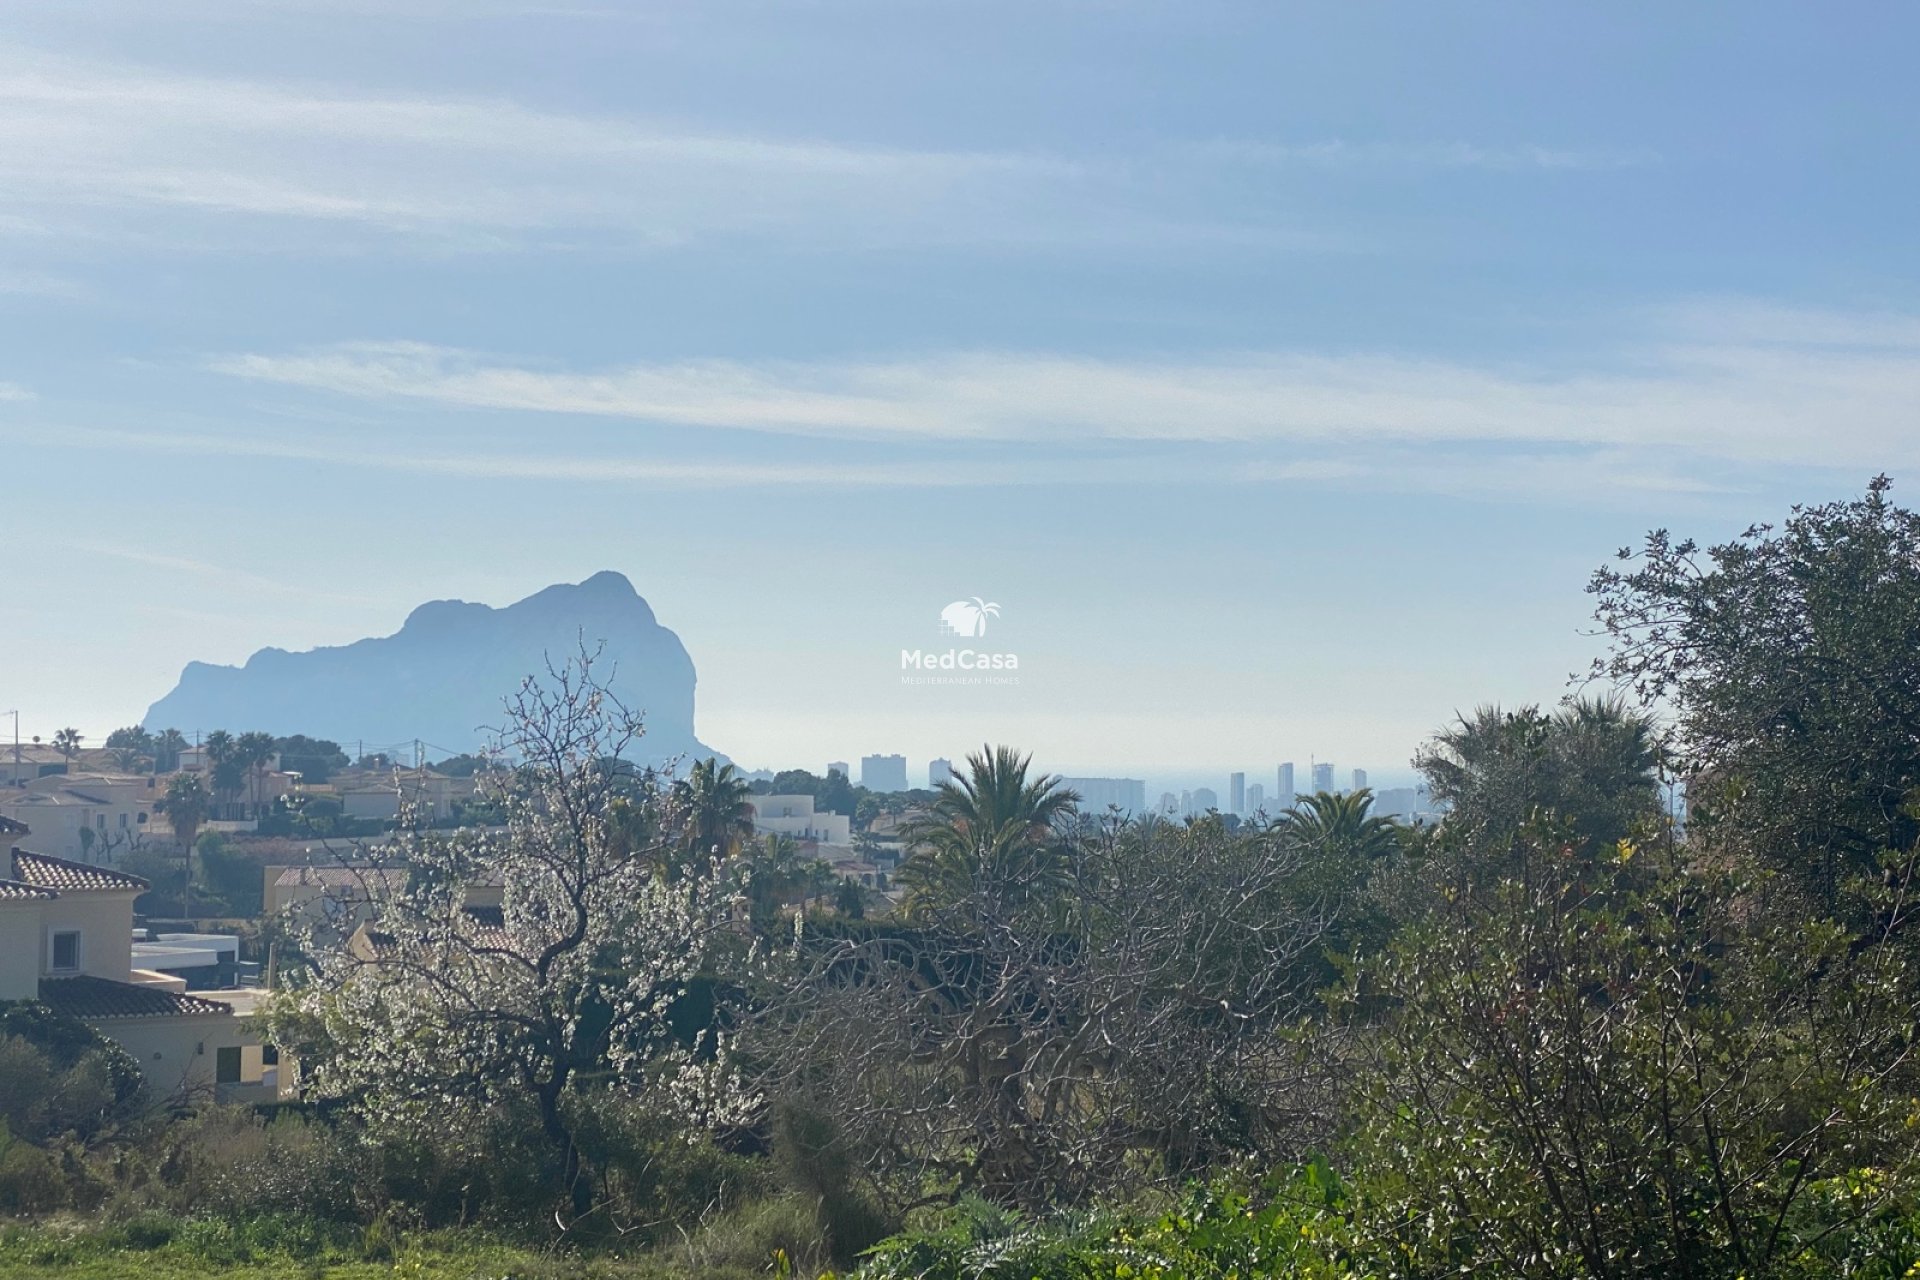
883	773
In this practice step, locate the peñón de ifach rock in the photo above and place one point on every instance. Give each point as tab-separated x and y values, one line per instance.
442	677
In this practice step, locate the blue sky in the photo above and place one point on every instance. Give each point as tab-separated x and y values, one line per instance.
1282	371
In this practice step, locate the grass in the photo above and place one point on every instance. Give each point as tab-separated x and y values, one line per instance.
159	1248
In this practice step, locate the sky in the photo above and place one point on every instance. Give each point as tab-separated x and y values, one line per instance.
1281	371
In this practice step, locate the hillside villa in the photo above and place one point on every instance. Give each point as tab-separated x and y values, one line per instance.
66	939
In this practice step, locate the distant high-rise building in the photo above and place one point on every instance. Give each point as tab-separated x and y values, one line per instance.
1399	802
1237	793
1256	798
1322	777
1097	795
1283	795
1359	779
1204	800
840	767
1169	803
883	773
939	771
1186	804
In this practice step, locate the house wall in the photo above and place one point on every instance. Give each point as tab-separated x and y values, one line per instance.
432	795
58	822
178	1053
21	939
105	922
383	805
794	816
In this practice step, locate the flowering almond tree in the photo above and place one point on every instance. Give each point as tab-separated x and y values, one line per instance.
560	992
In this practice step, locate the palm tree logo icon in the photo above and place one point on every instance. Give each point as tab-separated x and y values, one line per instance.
967	617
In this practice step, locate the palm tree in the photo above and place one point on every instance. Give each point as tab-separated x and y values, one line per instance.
67	743
186	806
224	770
167	746
131	747
253	751
773	869
1592	763
1343	826
989	837
719	812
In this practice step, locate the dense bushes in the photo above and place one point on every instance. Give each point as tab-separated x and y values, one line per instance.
62	1086
1595	1067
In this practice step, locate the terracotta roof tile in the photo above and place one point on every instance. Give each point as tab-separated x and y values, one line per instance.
15	891
60	875
87	998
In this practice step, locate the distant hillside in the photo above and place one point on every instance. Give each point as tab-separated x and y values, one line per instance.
442	676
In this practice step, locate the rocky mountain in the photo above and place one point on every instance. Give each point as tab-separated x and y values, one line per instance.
441	678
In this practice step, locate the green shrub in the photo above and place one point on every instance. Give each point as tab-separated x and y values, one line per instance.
1291	1227
58	1075
747	1240
30	1181
1585	1072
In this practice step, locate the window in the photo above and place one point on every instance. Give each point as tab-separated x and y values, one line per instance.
100	821
66	951
124	824
226	1065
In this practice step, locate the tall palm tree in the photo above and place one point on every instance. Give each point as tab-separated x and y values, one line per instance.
167	746
989	838
186	805
1343	826
67	743
719	815
225	772
253	751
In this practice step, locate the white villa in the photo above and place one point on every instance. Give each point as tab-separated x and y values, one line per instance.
66	939
88	817
794	816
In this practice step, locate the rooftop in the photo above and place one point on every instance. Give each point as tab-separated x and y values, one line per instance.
58	874
93	998
337	877
15	891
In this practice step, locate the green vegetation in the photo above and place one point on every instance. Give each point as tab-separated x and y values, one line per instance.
1558	1034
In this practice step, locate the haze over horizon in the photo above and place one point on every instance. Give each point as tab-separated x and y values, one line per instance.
1282	375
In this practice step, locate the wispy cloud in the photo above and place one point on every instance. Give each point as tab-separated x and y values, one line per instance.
14	393
37	284
87	136
604	468
1582	476
84	142
241	580
1821	392
1341	153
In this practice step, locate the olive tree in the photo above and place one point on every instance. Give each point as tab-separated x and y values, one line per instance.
1790	658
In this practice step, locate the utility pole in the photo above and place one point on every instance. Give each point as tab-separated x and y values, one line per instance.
16	745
